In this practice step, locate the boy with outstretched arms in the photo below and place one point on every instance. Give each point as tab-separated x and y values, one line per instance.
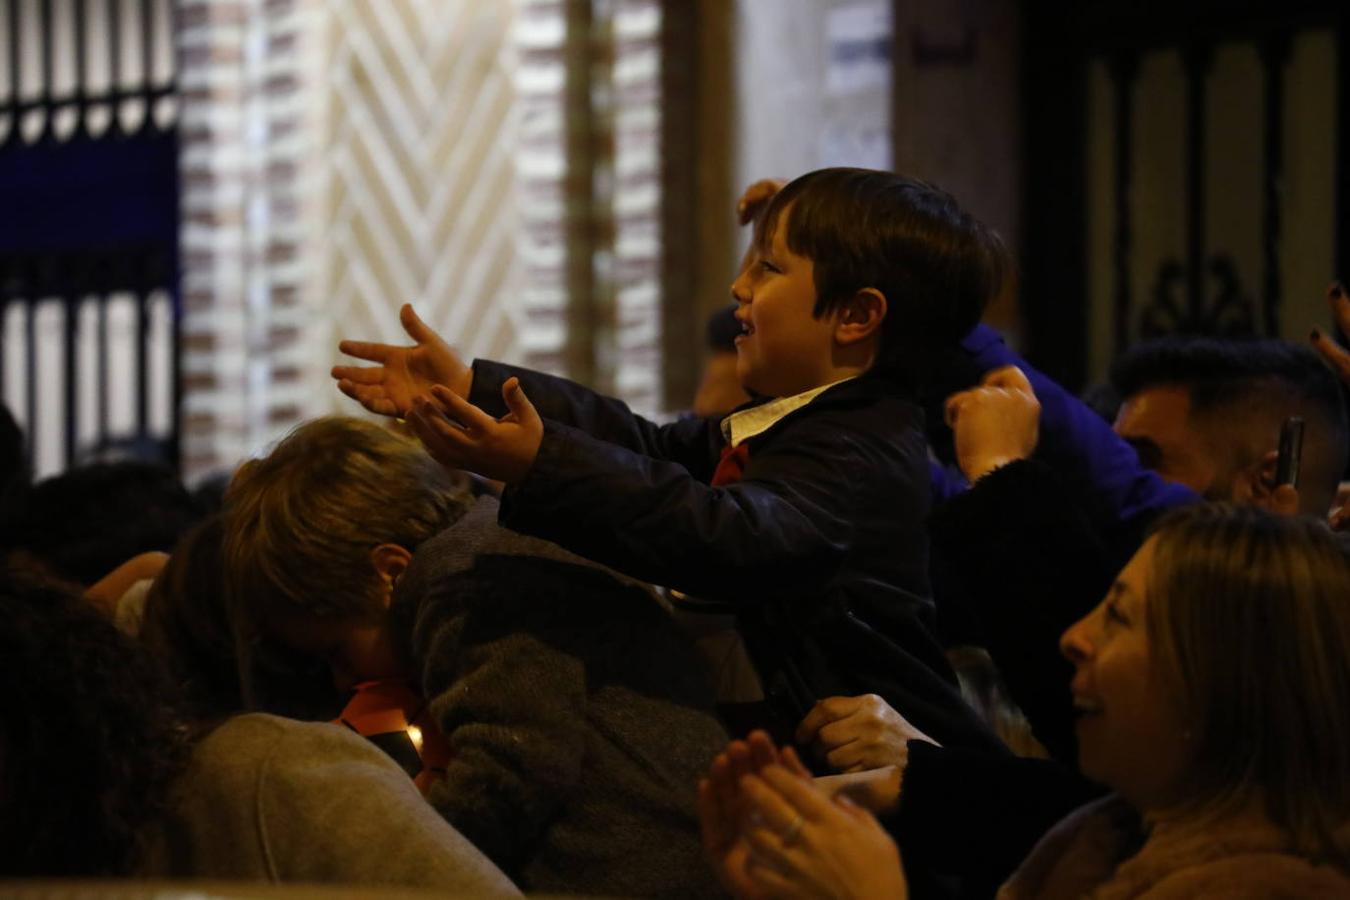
806	508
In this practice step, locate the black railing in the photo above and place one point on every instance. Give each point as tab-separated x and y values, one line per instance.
89	215
1199	289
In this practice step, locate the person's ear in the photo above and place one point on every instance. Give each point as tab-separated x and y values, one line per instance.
860	316
390	562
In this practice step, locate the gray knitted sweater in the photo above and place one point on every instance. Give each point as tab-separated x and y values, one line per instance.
271	799
578	716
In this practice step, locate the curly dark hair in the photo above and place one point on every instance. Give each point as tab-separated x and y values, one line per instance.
90	740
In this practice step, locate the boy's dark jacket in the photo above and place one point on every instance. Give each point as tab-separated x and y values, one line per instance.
821	546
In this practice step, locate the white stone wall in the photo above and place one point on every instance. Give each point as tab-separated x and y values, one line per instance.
342	157
244	132
800	106
636	84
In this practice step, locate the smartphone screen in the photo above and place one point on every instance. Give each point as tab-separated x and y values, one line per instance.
1291	452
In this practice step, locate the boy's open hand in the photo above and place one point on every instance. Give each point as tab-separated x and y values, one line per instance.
402	373
459	435
756	198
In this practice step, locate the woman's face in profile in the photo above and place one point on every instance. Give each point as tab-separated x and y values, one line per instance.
1131	735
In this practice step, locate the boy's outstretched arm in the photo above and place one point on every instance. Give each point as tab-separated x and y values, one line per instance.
404	373
691	441
461	435
750	527
784	528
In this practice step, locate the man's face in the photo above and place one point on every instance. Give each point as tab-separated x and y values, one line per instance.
1156	422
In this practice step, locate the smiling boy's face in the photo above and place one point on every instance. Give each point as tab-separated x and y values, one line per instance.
784	349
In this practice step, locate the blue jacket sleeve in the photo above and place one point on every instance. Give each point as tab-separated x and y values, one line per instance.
946	482
1081	447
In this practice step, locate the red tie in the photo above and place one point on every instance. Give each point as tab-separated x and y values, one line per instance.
732	464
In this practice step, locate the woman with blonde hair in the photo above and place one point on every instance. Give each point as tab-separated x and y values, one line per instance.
1211	686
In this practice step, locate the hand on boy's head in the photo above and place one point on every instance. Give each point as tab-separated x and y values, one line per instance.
853	734
995	423
402	373
756	198
1333	353
459	435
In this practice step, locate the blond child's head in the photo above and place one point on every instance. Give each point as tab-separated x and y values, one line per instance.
318	531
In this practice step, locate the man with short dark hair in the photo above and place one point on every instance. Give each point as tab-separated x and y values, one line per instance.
1206	413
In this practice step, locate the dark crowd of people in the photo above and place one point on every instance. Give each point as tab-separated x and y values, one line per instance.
888	613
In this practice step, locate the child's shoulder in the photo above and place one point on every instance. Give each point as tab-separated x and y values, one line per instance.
851	423
863	405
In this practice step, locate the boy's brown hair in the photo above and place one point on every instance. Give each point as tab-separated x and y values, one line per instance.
937	265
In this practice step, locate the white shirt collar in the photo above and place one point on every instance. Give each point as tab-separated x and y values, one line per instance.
741	426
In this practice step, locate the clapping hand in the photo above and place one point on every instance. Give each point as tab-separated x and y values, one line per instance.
771	831
722	809
402	373
808	845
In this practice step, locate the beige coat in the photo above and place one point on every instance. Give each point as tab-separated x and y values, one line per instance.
1101	852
